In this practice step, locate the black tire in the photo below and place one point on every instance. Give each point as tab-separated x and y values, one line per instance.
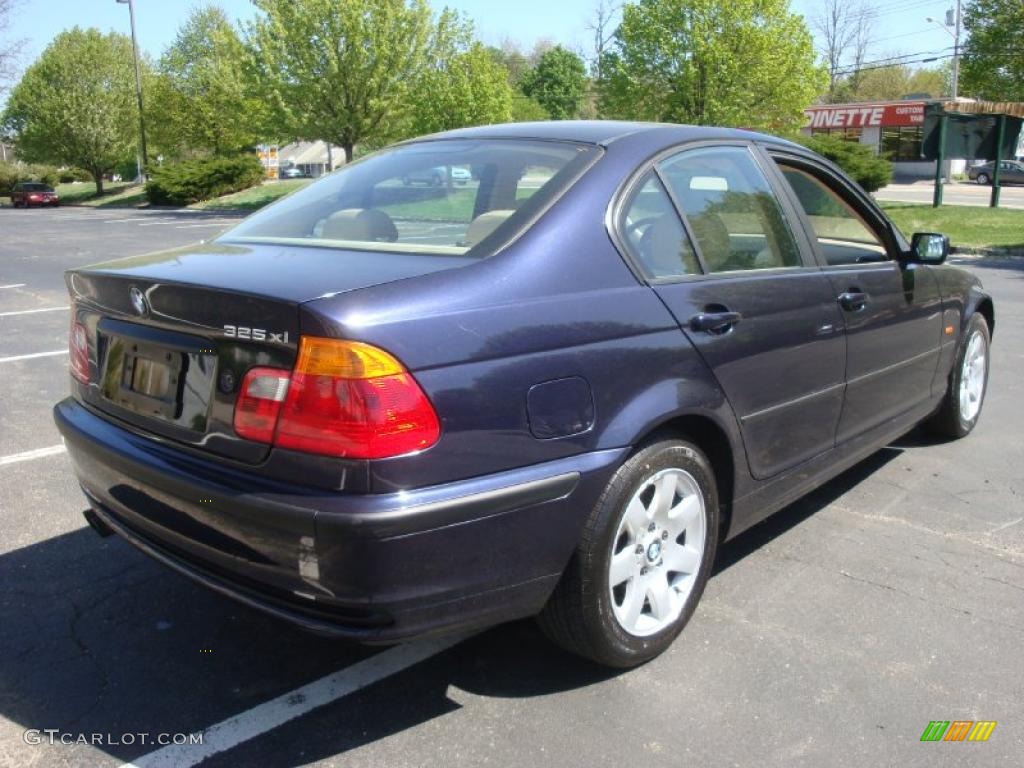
982	178
948	421
579	615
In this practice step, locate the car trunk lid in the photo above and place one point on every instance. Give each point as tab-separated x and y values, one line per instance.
172	334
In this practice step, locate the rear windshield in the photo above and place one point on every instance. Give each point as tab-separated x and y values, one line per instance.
443	197
36	188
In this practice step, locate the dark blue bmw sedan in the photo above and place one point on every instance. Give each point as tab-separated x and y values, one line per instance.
382	410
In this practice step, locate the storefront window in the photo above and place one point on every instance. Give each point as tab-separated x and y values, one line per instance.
902	143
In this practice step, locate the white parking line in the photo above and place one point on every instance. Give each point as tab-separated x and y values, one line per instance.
193	226
12	285
33	311
276	712
38	453
15	358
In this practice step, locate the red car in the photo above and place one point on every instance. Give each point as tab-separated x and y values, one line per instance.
28	193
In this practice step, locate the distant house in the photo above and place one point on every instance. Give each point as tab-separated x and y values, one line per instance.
310	157
6	152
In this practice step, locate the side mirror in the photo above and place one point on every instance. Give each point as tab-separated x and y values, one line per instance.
929	247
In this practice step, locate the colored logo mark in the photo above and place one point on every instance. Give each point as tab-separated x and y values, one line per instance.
958	730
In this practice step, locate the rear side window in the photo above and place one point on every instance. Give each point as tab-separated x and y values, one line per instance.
440	197
731	209
654	234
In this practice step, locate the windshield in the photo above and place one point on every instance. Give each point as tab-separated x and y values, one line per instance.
441	197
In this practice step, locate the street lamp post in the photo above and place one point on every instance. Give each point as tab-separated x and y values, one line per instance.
138	90
950	22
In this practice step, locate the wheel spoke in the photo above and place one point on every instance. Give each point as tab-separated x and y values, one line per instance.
683	515
636	516
660	598
681	559
623	567
664	495
633	604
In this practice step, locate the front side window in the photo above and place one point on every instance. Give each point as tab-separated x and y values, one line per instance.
731	209
842	234
440	197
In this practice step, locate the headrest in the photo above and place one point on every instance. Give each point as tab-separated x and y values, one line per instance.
484	224
366	224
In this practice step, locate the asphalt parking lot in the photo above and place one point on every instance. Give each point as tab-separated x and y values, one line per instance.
829	635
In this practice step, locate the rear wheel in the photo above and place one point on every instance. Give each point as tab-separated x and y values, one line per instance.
643	560
968	383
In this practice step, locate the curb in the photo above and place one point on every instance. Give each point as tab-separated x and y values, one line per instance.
987	253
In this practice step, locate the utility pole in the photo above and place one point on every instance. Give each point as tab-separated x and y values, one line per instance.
956	51
952	20
138	90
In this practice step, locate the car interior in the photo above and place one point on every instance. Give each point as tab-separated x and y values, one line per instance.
371	206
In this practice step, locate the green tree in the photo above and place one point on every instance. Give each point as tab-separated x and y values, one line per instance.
9	48
993	61
201	99
558	83
342	72
896	81
466	87
76	104
744	63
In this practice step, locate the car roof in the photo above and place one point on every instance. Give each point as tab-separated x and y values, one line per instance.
602	132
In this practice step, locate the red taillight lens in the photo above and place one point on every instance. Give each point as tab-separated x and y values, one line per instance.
78	347
262	394
344	398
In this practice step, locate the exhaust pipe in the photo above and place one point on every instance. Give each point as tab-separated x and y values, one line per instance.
97	524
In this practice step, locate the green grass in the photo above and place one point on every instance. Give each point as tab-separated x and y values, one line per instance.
967	226
115	194
253	198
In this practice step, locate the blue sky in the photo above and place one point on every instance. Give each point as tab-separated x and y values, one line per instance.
900	29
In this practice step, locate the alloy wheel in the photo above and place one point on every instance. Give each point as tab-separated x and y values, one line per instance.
657	552
972	377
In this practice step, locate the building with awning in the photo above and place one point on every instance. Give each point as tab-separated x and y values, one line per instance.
896	129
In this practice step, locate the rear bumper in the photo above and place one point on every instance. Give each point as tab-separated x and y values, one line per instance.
382	568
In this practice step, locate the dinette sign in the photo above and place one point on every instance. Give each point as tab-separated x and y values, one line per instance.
866	115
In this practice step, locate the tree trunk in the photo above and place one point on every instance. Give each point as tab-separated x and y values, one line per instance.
97	176
348	147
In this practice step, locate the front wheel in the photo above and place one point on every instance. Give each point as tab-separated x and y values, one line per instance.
643	560
960	409
983	178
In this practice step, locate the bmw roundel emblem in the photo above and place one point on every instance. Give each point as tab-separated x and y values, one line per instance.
139	303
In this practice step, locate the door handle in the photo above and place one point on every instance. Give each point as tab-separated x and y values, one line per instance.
715	322
853	301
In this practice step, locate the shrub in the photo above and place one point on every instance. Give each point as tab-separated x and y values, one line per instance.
12	173
195	180
869	170
68	175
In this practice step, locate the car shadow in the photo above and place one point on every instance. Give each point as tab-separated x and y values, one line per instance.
734	550
97	638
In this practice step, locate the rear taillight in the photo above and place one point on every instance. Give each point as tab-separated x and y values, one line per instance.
259	403
78	348
344	398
